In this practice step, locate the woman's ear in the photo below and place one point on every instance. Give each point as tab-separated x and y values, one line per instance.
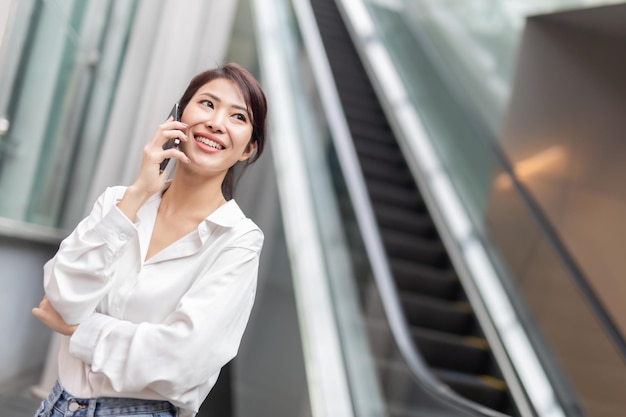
249	151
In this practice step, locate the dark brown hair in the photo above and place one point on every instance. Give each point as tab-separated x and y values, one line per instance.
257	107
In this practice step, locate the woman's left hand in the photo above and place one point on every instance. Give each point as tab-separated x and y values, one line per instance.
51	318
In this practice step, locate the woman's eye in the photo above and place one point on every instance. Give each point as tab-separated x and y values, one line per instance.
240	116
207	103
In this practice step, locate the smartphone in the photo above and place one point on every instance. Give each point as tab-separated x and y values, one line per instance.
175	113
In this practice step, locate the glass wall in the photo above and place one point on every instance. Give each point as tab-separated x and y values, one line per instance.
478	42
58	77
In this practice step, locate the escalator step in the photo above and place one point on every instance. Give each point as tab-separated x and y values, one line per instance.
411	247
409	221
394	195
455	353
352	86
431	313
368	134
483	389
342	55
381	151
422	279
333	33
403	395
376	138
362	104
366	121
376	168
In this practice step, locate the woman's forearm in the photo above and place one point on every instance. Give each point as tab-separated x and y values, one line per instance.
79	275
132	201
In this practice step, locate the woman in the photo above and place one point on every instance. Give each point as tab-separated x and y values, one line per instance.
154	288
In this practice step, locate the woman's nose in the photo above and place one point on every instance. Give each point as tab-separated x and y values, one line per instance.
215	122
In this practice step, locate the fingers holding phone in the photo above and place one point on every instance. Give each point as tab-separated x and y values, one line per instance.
172	142
156	155
166	143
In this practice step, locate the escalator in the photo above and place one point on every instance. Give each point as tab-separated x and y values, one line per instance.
443	326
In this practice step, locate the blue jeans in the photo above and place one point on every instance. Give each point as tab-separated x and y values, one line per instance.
61	404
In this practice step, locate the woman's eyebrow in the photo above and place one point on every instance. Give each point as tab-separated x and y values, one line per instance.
216	98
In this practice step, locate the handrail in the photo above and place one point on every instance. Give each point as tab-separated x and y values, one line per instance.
365	217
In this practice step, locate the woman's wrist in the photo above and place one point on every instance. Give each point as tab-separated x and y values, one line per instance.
69	330
133	199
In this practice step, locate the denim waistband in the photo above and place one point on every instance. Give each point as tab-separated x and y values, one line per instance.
103	406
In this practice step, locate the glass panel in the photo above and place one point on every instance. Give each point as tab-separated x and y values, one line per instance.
314	135
62	68
268	364
100	79
477	41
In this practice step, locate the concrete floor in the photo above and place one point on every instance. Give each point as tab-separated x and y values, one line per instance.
16	399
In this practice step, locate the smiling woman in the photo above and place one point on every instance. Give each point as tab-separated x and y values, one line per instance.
220	126
248	106
153	290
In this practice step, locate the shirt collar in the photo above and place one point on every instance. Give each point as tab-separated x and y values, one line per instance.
226	215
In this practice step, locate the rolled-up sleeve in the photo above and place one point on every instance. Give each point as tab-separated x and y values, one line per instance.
202	334
77	277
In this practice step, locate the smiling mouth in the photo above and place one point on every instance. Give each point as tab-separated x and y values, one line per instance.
208	142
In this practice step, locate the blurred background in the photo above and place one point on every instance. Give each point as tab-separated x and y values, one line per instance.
442	195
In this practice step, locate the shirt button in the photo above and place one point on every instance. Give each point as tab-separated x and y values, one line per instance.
122	236
73	406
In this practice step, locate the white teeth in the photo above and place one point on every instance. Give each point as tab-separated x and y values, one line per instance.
209	142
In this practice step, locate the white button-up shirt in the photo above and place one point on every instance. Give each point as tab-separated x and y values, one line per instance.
156	329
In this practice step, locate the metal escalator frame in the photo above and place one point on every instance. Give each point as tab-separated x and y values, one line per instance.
512	347
350	166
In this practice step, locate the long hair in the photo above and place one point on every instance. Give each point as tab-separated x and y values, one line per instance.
254	98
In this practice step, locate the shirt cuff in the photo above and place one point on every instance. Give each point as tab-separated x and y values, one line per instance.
116	229
83	341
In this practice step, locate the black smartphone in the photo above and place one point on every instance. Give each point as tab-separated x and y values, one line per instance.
175	113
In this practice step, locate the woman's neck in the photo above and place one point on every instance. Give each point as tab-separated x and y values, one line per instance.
192	197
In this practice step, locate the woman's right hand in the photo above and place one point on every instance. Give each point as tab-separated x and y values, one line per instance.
150	180
51	318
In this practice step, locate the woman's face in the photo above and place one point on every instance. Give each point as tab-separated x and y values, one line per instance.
219	127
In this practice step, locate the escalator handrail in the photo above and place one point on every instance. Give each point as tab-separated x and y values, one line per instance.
350	166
